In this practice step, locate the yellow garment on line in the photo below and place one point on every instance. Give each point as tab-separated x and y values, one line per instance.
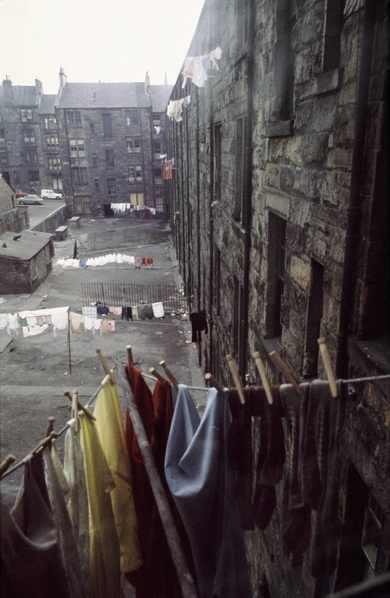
112	437
105	575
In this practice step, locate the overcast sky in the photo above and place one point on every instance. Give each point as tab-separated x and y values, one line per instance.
116	40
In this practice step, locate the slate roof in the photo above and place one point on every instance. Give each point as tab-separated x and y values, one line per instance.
160	96
113	95
47	104
23	95
29	244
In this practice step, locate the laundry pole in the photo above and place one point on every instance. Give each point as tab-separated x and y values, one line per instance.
186	581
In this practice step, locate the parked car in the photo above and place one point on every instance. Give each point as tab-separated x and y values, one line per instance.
19	194
50	194
31	200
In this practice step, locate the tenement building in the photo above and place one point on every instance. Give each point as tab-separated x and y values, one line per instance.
97	144
279	208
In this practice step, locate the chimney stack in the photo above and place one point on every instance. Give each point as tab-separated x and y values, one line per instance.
8	92
63	78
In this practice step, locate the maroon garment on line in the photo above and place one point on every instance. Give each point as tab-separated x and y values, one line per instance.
157	577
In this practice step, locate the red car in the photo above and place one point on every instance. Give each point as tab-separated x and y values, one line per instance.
19	194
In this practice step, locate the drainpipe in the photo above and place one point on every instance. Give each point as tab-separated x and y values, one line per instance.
354	208
248	210
198	204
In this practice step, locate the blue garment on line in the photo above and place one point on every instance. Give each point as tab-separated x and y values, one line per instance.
199	477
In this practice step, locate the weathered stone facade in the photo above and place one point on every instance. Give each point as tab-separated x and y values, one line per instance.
279	207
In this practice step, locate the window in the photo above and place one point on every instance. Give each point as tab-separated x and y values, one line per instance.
238	314
3	156
241	170
132	118
77	149
107	126
50	123
73	118
97	185
313	319
52	143
111	185
217	160
157	173
79	176
217	281
110	162
135	173
92	129
54	164
159	204
156	119
242	19
26	115
29	136
31	156
2	135
372	534
56	183
276	272
16	178
133	145
284	60
333	18
94	159
33	176
157	148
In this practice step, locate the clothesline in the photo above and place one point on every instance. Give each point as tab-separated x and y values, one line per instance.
197	388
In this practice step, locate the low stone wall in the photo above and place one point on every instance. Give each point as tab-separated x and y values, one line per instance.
53	221
15	220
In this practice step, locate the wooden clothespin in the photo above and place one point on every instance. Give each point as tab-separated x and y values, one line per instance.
4	465
170	374
287	373
81	407
75	410
328	366
105	366
50	426
43	443
263	376
130	362
157	375
233	367
213	381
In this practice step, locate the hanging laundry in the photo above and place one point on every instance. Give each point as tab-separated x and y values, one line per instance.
127	313
30	557
105	326
13	323
157	129
105	577
116	311
58	488
195	67
167	169
76	321
33	330
137	262
157	577
198	324
102	310
158	309
198	475
3	321
296	515
149	262
111	325
96	325
90	311
74	470
112	437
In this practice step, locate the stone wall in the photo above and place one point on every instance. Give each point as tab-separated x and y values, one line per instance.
53	221
263	216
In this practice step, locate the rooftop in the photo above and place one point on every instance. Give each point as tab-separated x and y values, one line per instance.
25	247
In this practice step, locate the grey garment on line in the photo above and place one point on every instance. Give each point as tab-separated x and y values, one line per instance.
31	566
199	477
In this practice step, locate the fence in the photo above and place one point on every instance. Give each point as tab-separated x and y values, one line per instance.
126	295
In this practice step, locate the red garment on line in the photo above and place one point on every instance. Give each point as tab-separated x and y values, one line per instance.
157	577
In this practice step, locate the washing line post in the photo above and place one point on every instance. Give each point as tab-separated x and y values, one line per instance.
69	349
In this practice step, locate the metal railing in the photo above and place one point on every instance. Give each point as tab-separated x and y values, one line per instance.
130	294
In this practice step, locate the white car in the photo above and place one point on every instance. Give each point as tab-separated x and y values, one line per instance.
50	194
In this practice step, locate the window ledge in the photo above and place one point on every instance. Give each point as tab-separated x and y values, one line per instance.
283	128
325	83
240	232
371	356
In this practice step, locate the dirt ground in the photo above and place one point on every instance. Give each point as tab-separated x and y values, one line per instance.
34	371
